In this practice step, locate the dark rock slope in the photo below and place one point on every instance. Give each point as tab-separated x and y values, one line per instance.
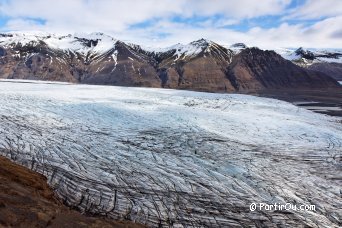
327	61
204	71
332	69
201	65
254	69
26	200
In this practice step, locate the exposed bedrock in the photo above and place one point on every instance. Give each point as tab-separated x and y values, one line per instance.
201	65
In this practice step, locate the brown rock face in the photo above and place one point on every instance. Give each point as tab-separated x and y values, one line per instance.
128	69
334	70
254	69
118	66
36	61
204	71
201	65
27	201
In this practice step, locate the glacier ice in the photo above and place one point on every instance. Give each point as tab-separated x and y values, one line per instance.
175	158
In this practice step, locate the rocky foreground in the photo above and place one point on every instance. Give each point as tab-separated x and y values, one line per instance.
176	158
26	200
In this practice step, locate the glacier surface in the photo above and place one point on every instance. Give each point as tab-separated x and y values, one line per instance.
175	158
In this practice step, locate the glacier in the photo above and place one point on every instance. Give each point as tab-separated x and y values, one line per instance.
170	158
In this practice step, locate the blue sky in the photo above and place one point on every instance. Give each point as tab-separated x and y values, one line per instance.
266	23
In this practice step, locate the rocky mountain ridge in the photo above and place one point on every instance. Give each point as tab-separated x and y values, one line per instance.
327	61
201	65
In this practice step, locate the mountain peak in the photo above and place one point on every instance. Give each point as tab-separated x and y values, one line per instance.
97	58
201	41
239	45
306	54
79	42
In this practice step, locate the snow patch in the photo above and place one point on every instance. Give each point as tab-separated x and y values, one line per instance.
79	42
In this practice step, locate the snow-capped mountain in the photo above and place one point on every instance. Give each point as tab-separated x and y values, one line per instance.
311	56
81	43
94	58
328	61
200	47
100	59
238	47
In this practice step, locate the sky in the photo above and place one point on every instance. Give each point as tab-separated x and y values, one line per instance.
161	23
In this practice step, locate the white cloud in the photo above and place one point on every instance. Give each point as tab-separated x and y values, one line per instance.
318	35
107	15
218	22
90	15
236	9
317	9
117	17
19	24
323	34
